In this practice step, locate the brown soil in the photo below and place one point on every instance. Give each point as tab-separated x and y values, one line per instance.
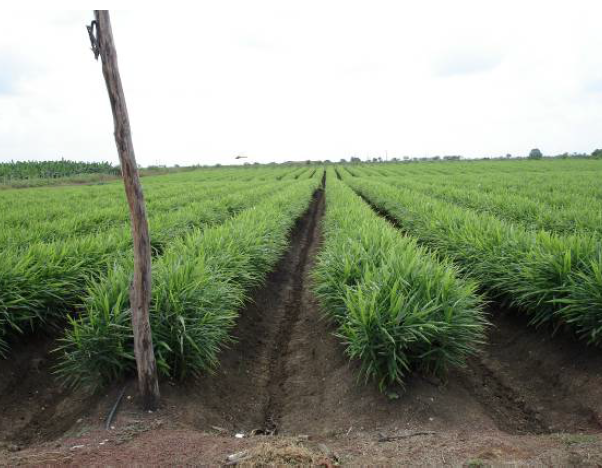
535	383
527	398
33	407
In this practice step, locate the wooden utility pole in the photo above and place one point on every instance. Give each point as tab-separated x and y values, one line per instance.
101	37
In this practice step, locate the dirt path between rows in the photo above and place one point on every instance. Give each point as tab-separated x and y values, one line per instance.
535	383
33	406
526	398
527	381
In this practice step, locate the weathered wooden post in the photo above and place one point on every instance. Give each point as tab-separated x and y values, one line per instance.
101	37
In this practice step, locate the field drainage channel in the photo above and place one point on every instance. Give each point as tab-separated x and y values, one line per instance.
527	381
252	388
304	239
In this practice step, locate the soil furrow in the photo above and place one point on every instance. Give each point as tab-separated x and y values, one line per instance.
292	308
553	382
523	378
33	406
248	389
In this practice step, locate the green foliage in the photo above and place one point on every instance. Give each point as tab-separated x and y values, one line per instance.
582	309
20	170
398	308
40	284
49	215
554	278
199	284
557	210
53	248
43	282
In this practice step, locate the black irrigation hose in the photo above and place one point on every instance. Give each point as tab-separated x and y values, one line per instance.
114	409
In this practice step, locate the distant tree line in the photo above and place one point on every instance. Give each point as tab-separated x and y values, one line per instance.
19	170
535	153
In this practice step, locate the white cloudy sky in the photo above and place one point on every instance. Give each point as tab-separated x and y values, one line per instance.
281	80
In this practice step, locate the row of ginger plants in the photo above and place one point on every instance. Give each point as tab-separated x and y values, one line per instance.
44	282
556	279
396	306
398	302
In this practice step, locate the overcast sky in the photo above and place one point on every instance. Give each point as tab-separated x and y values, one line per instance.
282	80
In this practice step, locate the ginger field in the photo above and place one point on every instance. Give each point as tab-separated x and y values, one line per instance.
360	305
